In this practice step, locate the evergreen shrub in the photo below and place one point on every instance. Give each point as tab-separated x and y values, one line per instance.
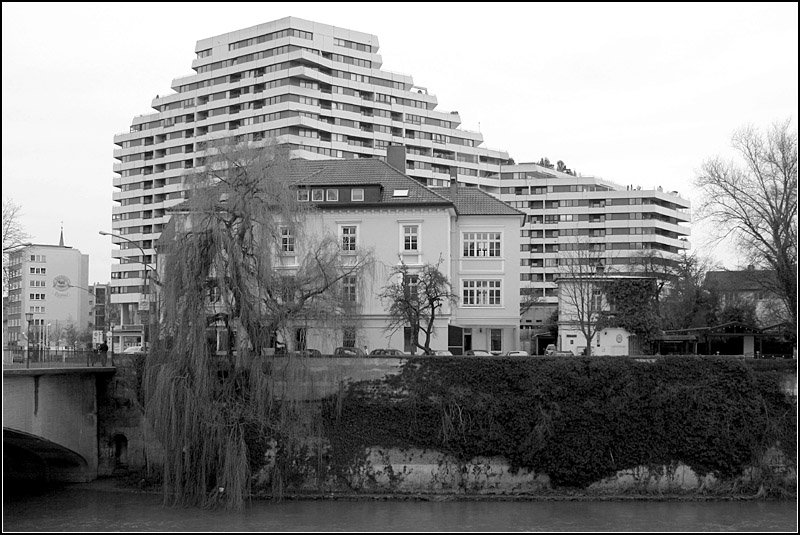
577	420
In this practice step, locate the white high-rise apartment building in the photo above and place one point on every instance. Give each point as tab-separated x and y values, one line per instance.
320	89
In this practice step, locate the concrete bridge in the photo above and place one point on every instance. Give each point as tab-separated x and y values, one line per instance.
50	422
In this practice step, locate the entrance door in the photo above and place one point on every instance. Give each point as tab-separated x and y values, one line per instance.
496	339
467	339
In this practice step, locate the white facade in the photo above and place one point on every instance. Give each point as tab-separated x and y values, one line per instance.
51	282
493	326
321	90
441	236
471	236
581	302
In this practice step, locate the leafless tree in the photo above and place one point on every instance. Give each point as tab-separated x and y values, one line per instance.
13	234
416	299
755	201
581	271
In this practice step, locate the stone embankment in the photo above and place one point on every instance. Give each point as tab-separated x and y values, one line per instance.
126	443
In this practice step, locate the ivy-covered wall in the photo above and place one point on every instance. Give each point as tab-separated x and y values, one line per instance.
577	420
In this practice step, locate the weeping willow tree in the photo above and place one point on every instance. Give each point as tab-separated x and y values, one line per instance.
244	258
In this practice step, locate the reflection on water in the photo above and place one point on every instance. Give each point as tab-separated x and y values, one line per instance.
77	508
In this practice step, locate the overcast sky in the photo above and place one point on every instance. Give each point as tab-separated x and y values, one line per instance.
635	93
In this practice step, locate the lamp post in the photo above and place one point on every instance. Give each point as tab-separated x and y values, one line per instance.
147	269
29	319
111	325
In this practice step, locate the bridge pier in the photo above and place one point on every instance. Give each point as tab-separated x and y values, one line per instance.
50	423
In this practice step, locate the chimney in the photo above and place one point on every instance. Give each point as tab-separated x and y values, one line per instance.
396	157
453	182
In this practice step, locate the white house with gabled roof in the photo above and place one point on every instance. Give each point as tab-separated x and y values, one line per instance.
371	205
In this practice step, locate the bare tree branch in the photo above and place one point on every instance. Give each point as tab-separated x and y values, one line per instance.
13	235
755	200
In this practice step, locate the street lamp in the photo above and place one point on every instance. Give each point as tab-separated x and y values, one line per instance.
147	269
29	319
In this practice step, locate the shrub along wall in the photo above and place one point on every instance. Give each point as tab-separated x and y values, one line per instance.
577	420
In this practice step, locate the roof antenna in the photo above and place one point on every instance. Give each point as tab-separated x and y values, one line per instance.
61	240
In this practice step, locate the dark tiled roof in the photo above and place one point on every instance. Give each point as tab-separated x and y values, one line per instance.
738	281
374	172
474	201
363	172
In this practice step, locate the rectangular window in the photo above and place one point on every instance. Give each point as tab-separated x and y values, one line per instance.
411	287
481	293
479	244
410	237
333	194
357	194
318	195
597	300
349	285
349	238
287	240
302	195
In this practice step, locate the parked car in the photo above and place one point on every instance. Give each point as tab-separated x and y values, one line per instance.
133	349
517	354
477	353
309	353
551	351
349	352
442	353
386	353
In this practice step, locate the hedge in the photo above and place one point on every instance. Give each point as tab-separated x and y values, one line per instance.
577	420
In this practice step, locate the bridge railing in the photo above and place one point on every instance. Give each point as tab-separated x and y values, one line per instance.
54	358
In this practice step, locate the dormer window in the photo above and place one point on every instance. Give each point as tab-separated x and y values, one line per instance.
302	195
318	195
357	194
333	194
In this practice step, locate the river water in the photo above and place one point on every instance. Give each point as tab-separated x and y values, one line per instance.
82	508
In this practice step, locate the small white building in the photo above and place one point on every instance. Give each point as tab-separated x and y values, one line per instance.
581	304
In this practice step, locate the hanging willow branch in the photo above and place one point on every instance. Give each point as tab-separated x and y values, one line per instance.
218	258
